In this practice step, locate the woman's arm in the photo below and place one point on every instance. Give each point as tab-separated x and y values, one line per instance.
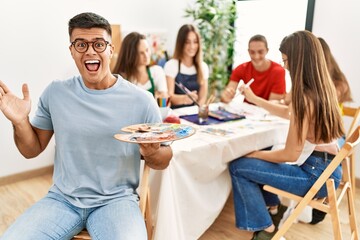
274	108
293	147
161	89
179	99
203	91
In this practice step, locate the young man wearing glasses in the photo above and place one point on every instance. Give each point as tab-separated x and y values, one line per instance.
95	176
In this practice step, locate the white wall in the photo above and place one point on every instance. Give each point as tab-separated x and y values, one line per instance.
34	49
272	25
338	22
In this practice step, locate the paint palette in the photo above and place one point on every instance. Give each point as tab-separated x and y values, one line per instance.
154	132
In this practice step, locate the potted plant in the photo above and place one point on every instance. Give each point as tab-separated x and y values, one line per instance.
215	21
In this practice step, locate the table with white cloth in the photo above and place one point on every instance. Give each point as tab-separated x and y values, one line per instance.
190	193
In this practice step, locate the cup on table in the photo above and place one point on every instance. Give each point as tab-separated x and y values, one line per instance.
165	111
203	113
163	103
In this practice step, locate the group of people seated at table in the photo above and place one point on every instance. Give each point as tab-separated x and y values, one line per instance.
187	68
93	172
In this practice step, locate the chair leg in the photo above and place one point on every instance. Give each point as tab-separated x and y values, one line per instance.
148	217
293	216
334	210
352	172
352	215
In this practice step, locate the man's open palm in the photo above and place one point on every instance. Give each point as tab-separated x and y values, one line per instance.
14	108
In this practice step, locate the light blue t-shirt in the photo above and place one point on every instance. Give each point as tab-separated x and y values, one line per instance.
91	167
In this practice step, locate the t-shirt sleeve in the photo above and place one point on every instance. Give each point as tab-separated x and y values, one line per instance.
171	68
159	78
42	118
237	73
279	85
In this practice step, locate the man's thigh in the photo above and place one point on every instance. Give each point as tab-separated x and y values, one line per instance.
49	218
121	220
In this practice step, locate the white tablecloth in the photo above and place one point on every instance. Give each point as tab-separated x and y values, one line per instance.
188	196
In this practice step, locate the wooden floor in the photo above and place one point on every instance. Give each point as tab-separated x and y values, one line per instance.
16	197
224	226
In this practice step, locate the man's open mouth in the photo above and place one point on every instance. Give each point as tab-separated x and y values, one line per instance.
92	65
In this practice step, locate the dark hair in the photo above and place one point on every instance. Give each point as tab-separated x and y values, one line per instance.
128	57
338	77
259	38
89	20
312	87
179	48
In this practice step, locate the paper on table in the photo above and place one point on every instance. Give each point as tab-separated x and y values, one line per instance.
186	110
249	110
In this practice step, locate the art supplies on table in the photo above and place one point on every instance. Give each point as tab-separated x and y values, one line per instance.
194	118
223	115
241	82
215	117
210	99
163	102
203	114
217	131
154	133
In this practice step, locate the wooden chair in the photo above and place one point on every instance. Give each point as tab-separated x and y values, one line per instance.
144	206
333	197
355	114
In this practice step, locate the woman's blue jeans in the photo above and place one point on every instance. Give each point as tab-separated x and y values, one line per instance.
53	217
248	176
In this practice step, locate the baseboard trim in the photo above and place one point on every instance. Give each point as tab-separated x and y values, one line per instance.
26	175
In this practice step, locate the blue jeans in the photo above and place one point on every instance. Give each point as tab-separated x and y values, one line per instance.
248	176
53	217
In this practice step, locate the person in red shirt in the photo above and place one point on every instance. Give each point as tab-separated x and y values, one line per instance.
269	77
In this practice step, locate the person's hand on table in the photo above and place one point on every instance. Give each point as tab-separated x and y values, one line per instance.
228	94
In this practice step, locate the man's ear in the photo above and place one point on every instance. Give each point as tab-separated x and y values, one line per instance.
112	49
72	55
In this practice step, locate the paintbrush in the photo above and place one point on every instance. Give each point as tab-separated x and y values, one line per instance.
246	86
211	99
186	91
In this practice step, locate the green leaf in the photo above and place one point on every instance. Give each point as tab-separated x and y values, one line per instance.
215	19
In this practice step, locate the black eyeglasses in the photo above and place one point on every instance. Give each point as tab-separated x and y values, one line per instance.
82	46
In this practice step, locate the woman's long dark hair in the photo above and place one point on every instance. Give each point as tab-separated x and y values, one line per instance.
338	77
128	57
179	49
312	85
